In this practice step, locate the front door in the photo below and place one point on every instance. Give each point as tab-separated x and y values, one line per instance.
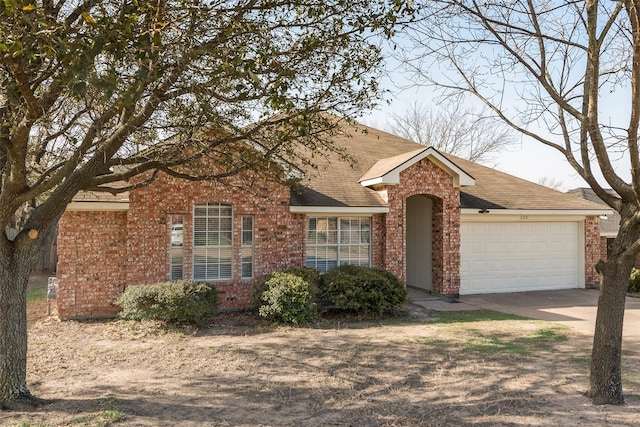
419	246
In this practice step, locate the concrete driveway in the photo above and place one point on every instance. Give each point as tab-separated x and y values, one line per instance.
574	307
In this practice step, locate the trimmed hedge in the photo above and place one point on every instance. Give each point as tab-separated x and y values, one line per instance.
287	297
178	301
362	289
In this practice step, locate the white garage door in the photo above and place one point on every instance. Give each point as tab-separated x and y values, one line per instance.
519	256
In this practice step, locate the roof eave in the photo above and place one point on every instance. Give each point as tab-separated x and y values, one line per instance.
387	179
347	210
93	206
582	212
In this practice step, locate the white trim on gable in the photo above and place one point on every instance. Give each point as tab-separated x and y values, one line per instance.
392	176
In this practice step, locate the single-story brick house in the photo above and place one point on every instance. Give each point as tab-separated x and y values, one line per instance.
438	222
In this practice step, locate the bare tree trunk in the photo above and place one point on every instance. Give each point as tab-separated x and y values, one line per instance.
605	384
15	268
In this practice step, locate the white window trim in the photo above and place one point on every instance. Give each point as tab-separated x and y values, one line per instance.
193	244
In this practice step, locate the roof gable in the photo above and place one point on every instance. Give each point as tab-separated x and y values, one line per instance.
387	171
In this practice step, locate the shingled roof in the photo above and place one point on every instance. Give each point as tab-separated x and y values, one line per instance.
336	183
499	190
339	184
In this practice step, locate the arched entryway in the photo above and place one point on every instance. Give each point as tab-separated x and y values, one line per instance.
419	248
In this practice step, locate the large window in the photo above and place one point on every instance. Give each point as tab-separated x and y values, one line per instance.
333	241
212	241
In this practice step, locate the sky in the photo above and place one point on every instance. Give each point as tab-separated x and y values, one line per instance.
527	158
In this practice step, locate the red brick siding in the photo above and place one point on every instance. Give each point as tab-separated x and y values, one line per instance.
378	236
438	250
144	236
92	263
278	234
425	178
592	253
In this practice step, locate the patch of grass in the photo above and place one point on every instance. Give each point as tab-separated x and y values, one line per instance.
108	414
80	421
110	411
36	294
491	343
581	359
472	316
551	334
489	333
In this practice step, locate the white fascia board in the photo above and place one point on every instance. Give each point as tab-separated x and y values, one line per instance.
348	210
391	178
97	206
573	212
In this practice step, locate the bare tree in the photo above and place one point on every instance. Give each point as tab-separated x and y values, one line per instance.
550	182
94	92
451	128
544	67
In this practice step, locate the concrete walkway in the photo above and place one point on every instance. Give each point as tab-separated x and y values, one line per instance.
575	308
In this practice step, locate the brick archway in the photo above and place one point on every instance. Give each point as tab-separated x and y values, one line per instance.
426	179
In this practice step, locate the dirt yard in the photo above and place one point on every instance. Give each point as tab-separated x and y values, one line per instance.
417	369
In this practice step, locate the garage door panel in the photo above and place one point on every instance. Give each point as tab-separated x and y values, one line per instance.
519	256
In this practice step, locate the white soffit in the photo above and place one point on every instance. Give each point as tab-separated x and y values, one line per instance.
346	210
86	206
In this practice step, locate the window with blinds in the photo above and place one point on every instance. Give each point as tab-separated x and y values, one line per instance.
333	241
247	246
212	241
176	236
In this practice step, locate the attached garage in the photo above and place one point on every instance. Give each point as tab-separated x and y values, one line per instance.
521	253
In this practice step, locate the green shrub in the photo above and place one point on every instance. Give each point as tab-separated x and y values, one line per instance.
362	289
310	275
288	298
634	280
178	301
